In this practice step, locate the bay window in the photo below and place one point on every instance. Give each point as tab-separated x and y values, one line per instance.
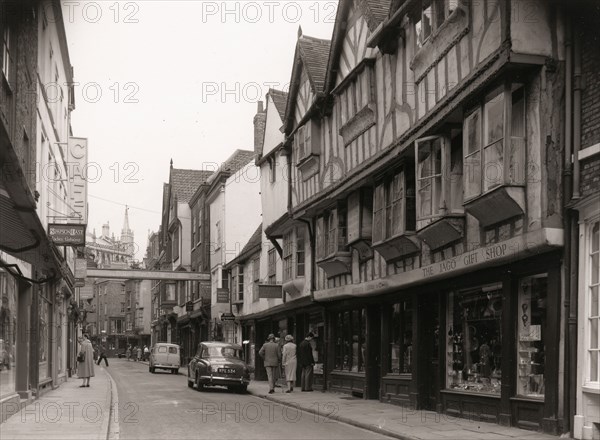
308	148
394	215
593	305
494	141
272	266
333	253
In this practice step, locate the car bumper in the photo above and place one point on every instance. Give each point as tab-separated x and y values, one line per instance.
168	366
220	380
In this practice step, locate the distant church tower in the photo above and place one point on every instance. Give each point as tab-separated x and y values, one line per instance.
127	236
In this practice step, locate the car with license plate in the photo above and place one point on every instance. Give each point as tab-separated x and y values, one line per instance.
165	356
218	364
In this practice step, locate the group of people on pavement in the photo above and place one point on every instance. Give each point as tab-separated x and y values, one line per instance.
290	357
141	353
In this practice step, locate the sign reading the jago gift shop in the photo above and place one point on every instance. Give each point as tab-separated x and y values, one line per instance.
67	234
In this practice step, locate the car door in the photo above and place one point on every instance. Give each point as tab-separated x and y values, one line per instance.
173	355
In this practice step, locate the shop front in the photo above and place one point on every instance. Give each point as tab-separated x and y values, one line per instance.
482	346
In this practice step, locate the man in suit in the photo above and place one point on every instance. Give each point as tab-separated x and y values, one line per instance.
307	362
271	356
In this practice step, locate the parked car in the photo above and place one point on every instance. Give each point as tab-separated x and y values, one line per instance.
218	363
165	356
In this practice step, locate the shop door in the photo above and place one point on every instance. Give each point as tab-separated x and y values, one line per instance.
373	370
430	352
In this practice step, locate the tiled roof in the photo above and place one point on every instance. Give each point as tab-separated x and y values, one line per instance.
280	101
315	56
185	182
375	11
236	162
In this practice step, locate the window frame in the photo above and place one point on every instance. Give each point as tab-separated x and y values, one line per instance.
288	255
590	252
433	16
386	204
255	277
272	266
239	282
512	164
300	252
7	58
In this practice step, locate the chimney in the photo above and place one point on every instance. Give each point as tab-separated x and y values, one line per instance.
105	230
260	120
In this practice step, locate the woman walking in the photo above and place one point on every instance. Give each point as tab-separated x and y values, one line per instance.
289	362
85	361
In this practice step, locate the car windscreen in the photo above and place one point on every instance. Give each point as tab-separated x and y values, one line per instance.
227	352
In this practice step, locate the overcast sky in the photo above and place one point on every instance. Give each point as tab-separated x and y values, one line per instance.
165	79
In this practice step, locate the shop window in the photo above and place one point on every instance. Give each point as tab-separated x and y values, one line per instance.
350	340
272	266
531	346
401	355
490	160
474	342
44	335
8	333
593	306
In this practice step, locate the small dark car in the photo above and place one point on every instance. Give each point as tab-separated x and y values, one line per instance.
218	363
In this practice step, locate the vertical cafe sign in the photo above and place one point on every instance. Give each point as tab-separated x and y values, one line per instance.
77	164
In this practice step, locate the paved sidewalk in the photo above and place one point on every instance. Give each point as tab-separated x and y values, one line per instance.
68	412
392	420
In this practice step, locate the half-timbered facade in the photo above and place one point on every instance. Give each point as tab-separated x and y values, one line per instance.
426	163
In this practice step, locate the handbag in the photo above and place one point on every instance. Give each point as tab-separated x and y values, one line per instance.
81	357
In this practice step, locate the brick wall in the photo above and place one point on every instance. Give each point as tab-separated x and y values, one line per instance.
590	176
590	98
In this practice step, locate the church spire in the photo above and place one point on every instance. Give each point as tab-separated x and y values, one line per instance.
126	229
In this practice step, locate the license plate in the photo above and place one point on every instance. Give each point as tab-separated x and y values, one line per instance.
226	370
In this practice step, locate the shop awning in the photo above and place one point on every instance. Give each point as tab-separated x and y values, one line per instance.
304	301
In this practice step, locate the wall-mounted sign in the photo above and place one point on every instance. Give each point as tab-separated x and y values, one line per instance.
270	291
77	171
227	317
67	234
223	295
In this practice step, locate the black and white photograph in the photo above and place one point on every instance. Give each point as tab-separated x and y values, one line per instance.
300	219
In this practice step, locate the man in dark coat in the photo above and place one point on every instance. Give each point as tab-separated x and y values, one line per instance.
102	354
271	356
306	362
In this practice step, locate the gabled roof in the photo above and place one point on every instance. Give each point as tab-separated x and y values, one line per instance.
374	11
253	246
280	100
233	164
184	183
312	54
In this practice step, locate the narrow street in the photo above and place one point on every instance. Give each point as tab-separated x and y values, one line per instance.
162	406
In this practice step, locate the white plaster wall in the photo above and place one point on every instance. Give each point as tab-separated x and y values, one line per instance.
273	136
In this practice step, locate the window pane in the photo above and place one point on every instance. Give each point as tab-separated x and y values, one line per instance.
517	125
440	12
594	333
595	267
493	165
426	21
594	311
594	365
355	340
473	133
472	175
494	118
596	237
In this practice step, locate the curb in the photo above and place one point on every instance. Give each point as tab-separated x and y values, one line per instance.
342	419
112	425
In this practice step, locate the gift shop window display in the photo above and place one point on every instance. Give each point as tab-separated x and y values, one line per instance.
8	332
474	340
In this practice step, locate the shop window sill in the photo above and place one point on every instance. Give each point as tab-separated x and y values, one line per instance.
471	394
527	399
443	231
335	264
397	376
497	205
398	247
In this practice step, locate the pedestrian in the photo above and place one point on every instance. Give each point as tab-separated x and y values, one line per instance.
146	352
289	362
102	355
128	353
139	353
85	361
307	362
271	357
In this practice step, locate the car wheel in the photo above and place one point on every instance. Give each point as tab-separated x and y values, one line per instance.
152	370
199	386
242	389
190	383
176	371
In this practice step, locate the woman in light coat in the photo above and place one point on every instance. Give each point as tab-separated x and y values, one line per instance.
85	369
289	362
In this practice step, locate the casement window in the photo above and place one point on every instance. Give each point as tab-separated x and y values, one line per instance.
193	229
272	269
7	55
300	256
430	16
239	282
393	207
303	139
592	281
199	226
439	178
175	244
334	233
308	148
494	141
288	256
255	277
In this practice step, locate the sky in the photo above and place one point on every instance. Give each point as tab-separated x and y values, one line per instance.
161	80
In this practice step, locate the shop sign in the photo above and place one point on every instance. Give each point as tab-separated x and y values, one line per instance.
269	291
63	234
223	296
78	172
227	317
204	289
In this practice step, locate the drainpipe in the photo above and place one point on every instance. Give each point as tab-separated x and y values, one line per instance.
573	226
